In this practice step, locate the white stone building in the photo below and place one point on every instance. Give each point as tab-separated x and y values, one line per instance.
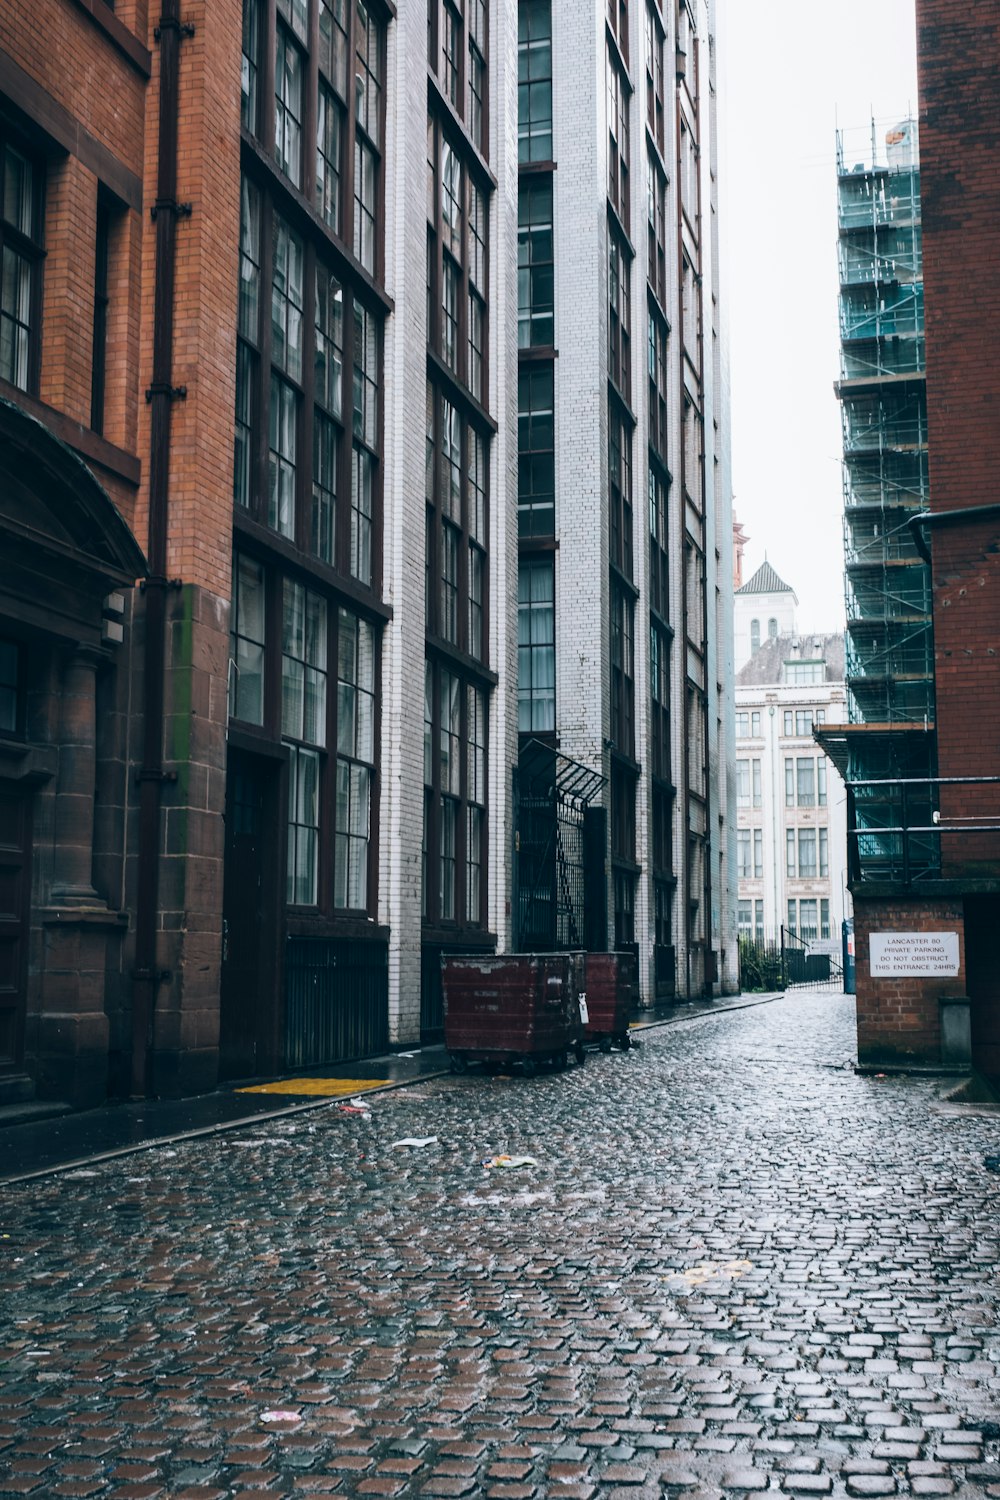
791	808
625	533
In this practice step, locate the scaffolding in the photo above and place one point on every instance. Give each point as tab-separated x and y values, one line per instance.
889	659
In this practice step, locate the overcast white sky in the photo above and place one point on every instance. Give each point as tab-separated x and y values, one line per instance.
792	70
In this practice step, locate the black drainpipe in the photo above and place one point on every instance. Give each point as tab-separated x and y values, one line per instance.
161	393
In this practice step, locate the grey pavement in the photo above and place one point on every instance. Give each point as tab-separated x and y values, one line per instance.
733	1266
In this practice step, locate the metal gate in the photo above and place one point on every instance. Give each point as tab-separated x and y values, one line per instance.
783	961
336	1000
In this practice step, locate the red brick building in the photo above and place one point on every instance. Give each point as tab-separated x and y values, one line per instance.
258	379
946	840
117	365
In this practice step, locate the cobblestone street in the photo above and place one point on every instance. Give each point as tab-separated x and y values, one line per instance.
736	1266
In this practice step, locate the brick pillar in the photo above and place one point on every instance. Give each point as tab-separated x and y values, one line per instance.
74	853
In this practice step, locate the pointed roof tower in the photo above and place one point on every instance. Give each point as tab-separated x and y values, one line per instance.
766	581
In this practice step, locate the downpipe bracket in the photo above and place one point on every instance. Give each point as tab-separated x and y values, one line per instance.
172	23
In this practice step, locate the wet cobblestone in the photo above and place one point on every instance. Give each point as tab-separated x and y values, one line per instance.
737	1267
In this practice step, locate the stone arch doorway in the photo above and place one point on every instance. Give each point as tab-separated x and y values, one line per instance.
67	562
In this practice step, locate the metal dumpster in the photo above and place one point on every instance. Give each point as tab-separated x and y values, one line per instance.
501	1009
610	984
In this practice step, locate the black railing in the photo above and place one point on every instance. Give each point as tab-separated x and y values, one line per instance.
783	960
897	830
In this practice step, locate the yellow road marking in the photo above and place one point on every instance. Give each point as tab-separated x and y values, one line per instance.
333	1088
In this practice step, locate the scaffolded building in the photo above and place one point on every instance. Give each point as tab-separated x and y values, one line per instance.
889	656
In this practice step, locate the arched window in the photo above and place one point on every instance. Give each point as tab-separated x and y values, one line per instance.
754	634
772	629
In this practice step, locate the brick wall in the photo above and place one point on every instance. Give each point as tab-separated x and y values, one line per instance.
898	1019
960	162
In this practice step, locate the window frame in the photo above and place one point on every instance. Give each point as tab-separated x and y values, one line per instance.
535	64
536	649
26	247
536	508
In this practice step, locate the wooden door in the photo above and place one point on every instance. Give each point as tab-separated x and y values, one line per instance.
15	887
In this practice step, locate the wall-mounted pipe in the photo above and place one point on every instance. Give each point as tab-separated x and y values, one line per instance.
161	393
946	518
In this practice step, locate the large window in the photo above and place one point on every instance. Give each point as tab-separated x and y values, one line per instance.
304	644
21	253
618	139
656	369
328	412
247	639
367	361
536	487
307	73
456	52
534	75
624	890
655	97
807	865
656	229
536	639
450	72
249	101
98	363
455	771
805	673
623	784
369	37
475	114
619	314
457	270
456	541
329	168
355	757
618	21
620	488
291	33
307	430
475	886
290	469
659	680
803	922
329	735
805	781
622	670
535	276
659	564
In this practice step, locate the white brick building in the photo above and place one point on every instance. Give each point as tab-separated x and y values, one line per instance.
625	532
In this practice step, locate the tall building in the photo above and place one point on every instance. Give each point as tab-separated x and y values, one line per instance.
920	758
257	352
791	836
625	822
269	336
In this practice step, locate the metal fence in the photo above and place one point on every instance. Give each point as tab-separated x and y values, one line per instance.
783	961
